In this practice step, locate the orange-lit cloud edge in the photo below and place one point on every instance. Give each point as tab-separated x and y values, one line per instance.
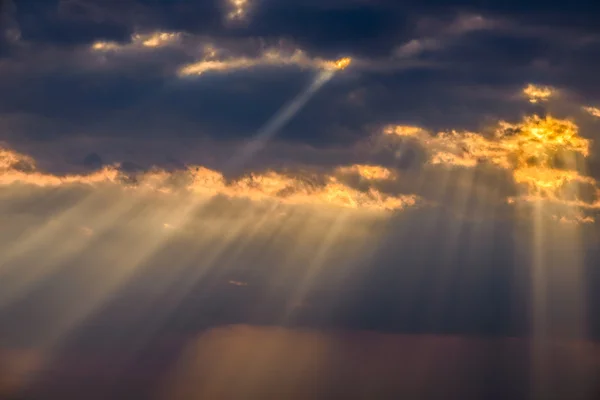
270	185
542	153
215	59
529	150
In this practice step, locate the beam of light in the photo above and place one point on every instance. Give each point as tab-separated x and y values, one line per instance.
125	256
539	307
57	252
316	262
270	129
71	241
219	240
544	155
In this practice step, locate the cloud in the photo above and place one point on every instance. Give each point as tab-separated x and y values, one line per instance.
456	69
269	57
543	154
239	9
536	93
268	186
594	111
150	40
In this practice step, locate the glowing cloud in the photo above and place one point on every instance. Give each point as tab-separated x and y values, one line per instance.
404	130
239	10
139	41
269	57
291	190
368	172
156	39
342	63
266	186
539	151
538	93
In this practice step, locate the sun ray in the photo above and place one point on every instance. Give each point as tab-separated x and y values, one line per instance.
271	128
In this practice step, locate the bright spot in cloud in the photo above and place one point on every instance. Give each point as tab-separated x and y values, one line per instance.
403	130
269	57
239	10
539	151
140	40
368	172
156	39
538	93
342	63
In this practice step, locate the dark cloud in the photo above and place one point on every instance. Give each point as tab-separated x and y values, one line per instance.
467	79
66	23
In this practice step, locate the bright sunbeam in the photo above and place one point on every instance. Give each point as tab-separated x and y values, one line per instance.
270	129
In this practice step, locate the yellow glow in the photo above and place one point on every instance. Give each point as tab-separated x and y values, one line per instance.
156	39
105	46
538	93
239	9
403	130
137	40
11	160
528	148
369	172
265	186
269	57
341	64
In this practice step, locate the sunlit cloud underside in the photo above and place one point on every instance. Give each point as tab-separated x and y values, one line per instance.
545	155
316	190
215	59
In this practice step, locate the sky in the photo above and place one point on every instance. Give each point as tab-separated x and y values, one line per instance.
417	167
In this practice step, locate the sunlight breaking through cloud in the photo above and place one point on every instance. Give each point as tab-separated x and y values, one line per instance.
271	185
540	151
268	57
538	93
139	41
239	9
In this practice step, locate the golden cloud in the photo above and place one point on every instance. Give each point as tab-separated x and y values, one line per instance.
368	172
239	9
266	186
538	93
139	41
156	39
269	57
342	63
540	151
404	130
